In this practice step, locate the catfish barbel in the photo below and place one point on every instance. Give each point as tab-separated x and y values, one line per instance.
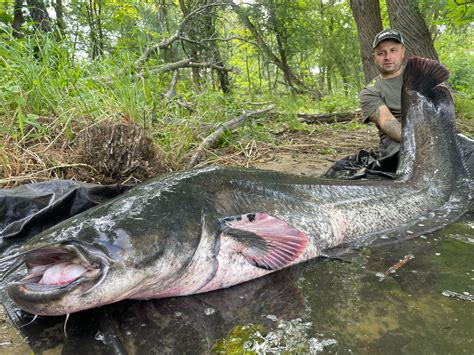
201	230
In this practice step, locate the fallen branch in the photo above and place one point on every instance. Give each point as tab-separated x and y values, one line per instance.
185	63
214	136
327	117
166	67
171	96
172	90
458	295
395	267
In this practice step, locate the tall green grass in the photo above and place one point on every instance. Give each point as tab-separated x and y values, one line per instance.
41	79
45	88
49	93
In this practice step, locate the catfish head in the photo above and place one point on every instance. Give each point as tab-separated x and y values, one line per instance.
61	279
85	263
174	236
72	276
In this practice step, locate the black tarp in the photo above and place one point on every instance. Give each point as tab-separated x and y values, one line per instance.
368	165
29	209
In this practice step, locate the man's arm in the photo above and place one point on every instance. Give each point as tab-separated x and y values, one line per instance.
387	122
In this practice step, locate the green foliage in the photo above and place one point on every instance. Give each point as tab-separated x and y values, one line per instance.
5	17
43	80
460	12
464	106
339	102
57	84
454	49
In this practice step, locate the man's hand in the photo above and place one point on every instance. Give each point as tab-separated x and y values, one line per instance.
387	122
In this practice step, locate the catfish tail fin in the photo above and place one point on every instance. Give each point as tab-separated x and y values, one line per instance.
423	75
430	154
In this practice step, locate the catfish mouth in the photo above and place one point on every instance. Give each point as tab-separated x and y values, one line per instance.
55	270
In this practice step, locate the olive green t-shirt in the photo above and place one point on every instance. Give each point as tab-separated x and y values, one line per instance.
383	92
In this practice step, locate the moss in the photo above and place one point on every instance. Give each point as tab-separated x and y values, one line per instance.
237	339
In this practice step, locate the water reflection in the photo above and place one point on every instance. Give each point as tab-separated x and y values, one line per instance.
171	325
331	305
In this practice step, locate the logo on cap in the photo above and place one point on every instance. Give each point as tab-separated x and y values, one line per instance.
387	34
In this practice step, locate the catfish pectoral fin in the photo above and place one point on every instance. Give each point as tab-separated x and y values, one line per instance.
265	241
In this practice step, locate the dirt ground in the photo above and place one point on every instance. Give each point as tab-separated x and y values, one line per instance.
11	341
300	153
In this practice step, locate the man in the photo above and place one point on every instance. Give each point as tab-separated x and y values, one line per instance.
381	98
381	104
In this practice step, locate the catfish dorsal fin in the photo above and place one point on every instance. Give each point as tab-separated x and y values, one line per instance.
423	75
266	242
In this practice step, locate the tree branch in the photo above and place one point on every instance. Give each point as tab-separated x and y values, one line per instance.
214	136
177	36
326	117
185	63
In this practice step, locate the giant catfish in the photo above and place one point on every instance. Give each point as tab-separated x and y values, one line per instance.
201	230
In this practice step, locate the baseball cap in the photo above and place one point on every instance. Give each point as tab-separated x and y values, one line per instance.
387	34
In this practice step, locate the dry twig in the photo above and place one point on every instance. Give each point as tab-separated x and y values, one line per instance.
395	267
214	136
327	117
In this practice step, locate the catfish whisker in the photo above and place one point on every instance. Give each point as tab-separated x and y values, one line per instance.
65	324
102	278
31	321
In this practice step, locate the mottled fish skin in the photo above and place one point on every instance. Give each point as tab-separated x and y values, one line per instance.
210	228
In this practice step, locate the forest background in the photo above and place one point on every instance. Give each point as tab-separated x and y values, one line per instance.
108	90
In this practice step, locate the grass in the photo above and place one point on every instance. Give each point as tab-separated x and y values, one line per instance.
47	97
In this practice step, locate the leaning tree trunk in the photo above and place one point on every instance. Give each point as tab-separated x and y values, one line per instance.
406	17
265	48
367	17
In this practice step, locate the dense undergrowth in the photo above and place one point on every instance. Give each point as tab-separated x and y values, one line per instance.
48	96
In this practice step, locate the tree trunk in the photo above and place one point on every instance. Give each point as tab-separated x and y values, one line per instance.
214	53
18	18
168	53
39	15
58	8
194	52
367	17
98	10
328	78
93	10
322	76
280	36
406	17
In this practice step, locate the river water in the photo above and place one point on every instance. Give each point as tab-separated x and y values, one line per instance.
349	305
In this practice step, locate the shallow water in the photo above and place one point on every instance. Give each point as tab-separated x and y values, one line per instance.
328	306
